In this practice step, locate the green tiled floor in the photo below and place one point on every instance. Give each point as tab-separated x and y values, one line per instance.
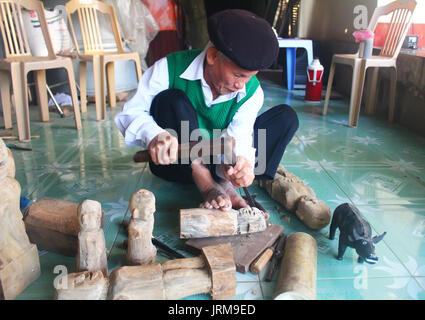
378	167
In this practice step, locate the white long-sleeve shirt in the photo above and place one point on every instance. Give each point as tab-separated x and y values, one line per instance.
139	127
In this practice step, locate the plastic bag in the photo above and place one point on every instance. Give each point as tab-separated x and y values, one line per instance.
137	25
58	30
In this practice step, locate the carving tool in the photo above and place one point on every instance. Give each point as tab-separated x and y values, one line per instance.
213	147
16	147
278	253
258	265
166	249
252	202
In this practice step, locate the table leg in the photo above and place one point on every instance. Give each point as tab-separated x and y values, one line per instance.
291	59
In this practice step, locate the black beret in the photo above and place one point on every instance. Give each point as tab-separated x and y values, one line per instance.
245	38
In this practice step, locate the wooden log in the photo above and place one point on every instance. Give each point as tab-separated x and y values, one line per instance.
91	254
223	270
204	223
186	277
187	263
213	272
140	249
82	286
137	283
298	271
19	261
19	273
52	224
180	283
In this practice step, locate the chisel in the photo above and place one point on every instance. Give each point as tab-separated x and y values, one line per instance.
258	265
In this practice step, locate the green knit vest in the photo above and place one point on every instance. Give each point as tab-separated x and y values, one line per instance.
217	116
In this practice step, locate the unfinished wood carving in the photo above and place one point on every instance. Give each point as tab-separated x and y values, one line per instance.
313	212
204	223
140	249
213	272
19	261
82	286
91	254
295	196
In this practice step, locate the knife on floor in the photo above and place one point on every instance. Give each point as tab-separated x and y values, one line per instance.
16	147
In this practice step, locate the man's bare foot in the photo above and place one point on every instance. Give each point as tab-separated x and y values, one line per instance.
215	197
236	199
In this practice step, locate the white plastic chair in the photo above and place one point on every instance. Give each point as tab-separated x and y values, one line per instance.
402	11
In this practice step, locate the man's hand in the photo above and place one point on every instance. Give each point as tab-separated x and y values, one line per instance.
241	174
163	148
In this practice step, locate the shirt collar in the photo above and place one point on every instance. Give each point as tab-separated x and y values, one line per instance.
195	71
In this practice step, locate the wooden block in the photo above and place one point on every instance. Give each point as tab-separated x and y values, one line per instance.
52	224
137	283
245	247
186	263
82	286
223	272
184	282
298	270
16	276
203	223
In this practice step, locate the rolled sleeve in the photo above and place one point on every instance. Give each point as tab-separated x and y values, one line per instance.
134	121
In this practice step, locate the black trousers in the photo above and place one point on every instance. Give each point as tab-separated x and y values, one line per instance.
170	107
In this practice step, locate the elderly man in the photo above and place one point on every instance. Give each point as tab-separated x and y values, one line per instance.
209	90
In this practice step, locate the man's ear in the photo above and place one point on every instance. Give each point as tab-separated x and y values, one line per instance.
212	55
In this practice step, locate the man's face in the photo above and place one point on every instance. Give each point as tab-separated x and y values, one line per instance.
223	75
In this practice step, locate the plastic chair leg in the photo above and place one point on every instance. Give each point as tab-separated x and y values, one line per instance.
73	90
291	59
359	72
19	85
110	79
329	88
83	86
371	91
42	100
99	87
5	99
137	66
